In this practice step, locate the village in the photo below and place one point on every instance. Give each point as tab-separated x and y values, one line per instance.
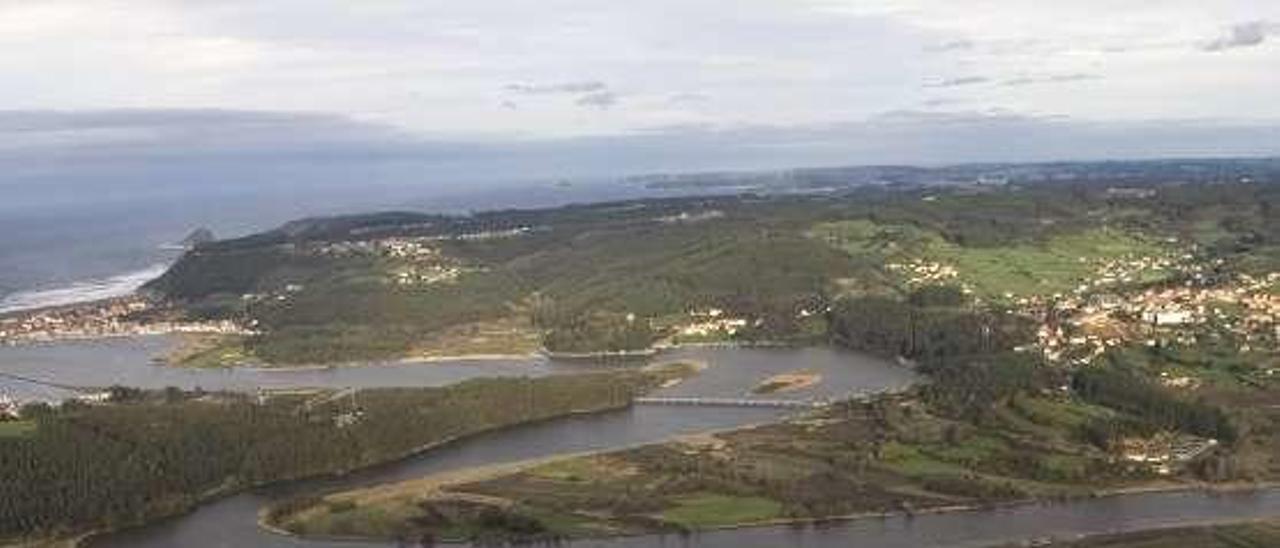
1242	310
1164	301
118	317
415	261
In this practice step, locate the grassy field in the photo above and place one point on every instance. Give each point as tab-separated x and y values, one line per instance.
512	335
209	351
707	510
1055	265
16	429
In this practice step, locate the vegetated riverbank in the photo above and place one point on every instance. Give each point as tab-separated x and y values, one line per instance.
213	351
148	455
220	351
889	456
1262	533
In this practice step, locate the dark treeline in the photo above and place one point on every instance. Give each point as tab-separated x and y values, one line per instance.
934	323
152	454
972	389
608	333
1153	407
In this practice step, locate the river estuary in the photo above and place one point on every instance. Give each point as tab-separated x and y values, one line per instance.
732	372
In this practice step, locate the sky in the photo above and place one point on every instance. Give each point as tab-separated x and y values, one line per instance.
162	92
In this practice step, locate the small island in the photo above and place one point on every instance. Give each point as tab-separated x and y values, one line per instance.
787	382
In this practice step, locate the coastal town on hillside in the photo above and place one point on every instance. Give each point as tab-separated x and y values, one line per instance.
118	317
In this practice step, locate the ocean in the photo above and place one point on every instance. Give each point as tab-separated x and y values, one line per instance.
75	246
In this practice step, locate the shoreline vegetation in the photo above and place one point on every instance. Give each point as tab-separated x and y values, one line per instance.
491	488
1225	533
217	444
193	351
1172	535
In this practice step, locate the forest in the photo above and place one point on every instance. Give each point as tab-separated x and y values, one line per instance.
149	454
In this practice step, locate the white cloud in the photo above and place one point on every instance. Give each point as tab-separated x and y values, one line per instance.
1244	35
498	69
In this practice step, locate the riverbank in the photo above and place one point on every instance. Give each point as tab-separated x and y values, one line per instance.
884	458
450	488
212	351
288	517
1227	533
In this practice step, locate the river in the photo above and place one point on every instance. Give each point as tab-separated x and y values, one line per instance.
231	521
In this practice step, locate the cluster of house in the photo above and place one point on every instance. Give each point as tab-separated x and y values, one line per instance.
1165	451
488	234
922	272
110	318
11	406
1110	272
711	322
396	248
1080	328
420	261
8	407
684	217
428	275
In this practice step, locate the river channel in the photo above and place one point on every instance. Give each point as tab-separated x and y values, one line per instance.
732	372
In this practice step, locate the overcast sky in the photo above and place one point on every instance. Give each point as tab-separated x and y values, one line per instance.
509	88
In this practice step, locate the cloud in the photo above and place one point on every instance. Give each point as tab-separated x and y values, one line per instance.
941	101
599	99
1243	35
590	93
36	141
681	99
958	82
586	86
446	69
1051	79
953	45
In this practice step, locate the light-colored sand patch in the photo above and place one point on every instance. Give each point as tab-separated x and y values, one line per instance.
787	382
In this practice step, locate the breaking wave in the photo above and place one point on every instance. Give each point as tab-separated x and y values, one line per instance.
86	290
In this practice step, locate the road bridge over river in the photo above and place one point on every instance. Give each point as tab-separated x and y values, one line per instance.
732	402
712	401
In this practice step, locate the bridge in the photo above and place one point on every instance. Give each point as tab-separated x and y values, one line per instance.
732	402
38	382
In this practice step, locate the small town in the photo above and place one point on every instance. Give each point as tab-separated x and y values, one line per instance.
119	317
1243	310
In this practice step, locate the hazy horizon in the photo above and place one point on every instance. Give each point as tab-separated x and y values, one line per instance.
131	97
